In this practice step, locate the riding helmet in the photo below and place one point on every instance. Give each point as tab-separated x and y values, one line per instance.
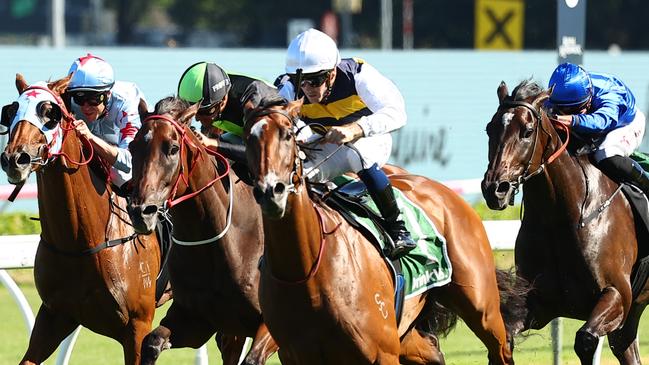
312	51
91	73
206	81
572	85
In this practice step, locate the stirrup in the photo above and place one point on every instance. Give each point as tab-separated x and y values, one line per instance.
402	245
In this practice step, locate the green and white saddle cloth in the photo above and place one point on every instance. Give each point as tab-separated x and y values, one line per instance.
428	265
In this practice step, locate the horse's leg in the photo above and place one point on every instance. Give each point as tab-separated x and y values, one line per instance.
604	318
420	348
479	306
623	342
230	347
133	336
179	328
263	346
49	331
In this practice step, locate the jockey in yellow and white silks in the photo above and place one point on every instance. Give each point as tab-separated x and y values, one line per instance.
358	107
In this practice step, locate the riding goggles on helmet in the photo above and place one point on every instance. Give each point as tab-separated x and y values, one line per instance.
313	80
90	97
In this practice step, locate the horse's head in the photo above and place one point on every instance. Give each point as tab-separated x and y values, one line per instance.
272	153
33	124
157	159
518	139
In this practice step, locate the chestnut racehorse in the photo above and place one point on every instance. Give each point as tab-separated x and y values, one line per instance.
327	294
218	238
90	268
577	250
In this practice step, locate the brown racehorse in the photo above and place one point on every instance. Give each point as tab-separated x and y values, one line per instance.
90	269
325	291
578	251
218	238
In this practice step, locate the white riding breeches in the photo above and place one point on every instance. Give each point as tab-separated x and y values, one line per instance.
622	141
375	149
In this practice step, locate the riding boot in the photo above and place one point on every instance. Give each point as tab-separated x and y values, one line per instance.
381	192
625	169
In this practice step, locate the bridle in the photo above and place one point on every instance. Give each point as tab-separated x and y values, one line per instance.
186	141
526	175
296	177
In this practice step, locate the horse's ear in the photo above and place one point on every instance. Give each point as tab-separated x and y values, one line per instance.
294	107
21	84
542	97
186	116
502	91
59	86
143	109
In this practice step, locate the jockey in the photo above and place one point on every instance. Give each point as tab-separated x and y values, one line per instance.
109	112
222	97
601	105
358	107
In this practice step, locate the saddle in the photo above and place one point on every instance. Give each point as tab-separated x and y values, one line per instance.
423	268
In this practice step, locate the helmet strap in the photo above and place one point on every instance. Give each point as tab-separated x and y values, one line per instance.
298	83
329	87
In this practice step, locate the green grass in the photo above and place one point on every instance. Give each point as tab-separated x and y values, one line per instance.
461	347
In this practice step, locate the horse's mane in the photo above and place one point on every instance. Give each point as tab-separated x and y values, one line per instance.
526	89
170	105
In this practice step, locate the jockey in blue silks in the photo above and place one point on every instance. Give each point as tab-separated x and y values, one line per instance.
601	105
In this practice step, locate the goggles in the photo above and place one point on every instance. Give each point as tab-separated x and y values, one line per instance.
92	98
313	80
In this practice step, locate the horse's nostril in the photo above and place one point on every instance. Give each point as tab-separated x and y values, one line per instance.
23	159
279	188
150	210
4	160
503	187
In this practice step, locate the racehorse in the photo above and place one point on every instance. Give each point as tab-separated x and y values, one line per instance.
217	238
90	268
577	242
327	294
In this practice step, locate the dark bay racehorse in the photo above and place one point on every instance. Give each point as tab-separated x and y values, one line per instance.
81	281
218	238
325	291
577	252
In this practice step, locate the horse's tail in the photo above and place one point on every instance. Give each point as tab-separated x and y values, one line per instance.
513	297
436	319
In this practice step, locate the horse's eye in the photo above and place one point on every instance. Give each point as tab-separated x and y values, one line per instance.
173	149
527	133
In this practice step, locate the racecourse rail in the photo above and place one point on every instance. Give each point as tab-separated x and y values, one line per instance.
17	252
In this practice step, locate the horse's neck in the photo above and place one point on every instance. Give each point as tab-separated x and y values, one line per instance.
205	214
69	202
293	243
561	189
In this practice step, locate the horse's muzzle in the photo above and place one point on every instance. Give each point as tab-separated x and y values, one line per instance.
497	194
144	217
16	165
271	198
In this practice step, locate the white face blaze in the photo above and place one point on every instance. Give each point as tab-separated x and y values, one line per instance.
148	136
257	129
507	118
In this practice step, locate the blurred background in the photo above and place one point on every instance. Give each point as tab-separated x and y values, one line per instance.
446	57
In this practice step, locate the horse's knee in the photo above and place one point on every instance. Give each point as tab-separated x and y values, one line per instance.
585	344
152	345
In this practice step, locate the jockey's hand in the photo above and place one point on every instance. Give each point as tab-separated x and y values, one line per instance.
82	129
205	140
566	120
343	134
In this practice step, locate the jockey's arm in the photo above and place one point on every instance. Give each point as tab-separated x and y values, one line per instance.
105	150
383	98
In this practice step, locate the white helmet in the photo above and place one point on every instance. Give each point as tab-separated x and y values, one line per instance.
312	51
91	73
